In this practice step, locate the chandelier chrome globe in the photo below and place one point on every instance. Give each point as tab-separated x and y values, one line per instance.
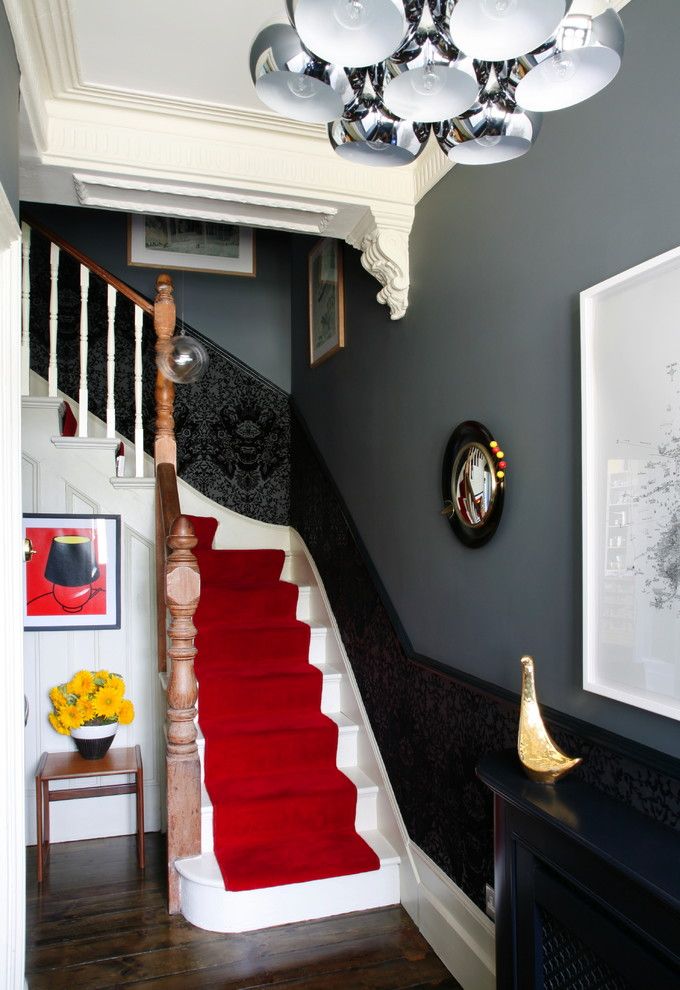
292	82
368	134
497	30
584	57
383	73
494	134
355	33
184	360
427	77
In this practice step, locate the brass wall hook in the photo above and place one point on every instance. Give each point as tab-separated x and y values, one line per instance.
29	552
541	757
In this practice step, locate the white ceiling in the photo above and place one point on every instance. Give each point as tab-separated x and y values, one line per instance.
199	51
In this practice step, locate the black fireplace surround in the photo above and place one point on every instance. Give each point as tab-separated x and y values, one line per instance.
587	891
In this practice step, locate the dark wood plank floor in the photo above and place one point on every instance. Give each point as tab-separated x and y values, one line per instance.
98	922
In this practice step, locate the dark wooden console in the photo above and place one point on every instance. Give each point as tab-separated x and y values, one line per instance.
587	889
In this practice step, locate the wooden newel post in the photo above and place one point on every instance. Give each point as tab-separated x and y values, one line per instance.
183	767
165	447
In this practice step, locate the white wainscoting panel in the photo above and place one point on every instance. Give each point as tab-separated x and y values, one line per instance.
77	481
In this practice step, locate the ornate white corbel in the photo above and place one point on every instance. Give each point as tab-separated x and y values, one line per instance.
383	242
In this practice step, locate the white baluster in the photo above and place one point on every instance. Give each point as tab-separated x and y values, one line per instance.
83	398
111	364
26	310
54	305
139	426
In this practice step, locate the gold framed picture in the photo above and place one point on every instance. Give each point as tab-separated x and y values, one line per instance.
190	245
326	301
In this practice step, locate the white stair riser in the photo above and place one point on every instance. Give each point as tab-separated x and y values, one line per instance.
366	816
226	911
309	605
348	737
323	647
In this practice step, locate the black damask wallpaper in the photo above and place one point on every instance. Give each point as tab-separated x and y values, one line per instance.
240	445
233	428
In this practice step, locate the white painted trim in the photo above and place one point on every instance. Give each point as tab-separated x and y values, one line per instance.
461	935
12	854
394	829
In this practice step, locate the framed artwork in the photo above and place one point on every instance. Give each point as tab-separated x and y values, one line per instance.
326	301
630	365
73	578
190	245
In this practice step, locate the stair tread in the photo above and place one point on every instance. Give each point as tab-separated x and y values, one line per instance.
204	869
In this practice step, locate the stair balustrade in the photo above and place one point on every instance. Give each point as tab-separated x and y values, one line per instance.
115	288
177	572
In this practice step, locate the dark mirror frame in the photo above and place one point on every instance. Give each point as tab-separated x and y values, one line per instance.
465	434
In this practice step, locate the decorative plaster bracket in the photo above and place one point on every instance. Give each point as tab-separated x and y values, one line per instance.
384	253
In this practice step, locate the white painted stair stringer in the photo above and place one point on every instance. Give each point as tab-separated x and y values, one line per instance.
301	564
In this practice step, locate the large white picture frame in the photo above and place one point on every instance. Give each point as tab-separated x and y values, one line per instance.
630	378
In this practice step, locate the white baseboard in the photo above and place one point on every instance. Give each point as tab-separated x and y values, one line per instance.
461	935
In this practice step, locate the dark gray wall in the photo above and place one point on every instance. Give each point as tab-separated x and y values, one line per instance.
9	114
250	317
499	256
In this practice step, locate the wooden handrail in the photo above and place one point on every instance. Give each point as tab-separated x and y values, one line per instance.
83	259
178	592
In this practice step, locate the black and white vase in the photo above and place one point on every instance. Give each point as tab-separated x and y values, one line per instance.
93	741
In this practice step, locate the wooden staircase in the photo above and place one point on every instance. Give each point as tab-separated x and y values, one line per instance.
195	885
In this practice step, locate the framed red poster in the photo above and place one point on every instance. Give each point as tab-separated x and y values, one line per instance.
73	578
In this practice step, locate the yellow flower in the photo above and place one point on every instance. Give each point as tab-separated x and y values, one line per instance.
57	726
127	712
86	709
107	702
117	684
57	698
81	683
101	677
70	717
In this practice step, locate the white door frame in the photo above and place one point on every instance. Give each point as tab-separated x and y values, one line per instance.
12	838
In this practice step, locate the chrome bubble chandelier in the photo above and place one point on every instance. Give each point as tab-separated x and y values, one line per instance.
383	74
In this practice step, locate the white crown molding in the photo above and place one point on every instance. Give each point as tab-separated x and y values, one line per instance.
203	203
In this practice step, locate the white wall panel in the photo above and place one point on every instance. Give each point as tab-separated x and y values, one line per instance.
77	482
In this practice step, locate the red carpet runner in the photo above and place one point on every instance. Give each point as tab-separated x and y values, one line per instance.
283	812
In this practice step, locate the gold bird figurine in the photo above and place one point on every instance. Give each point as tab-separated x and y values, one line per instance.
541	758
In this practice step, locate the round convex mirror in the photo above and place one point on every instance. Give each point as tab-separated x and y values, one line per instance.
473	482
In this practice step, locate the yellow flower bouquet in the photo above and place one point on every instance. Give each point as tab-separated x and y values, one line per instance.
89	708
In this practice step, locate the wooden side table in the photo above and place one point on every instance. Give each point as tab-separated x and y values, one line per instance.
70	766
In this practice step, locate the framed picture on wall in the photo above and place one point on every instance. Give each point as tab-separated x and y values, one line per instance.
72	580
326	301
630	367
190	245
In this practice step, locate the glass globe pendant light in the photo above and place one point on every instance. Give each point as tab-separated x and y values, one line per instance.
497	30
294	83
356	33
184	360
495	130
427	79
368	134
585	57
